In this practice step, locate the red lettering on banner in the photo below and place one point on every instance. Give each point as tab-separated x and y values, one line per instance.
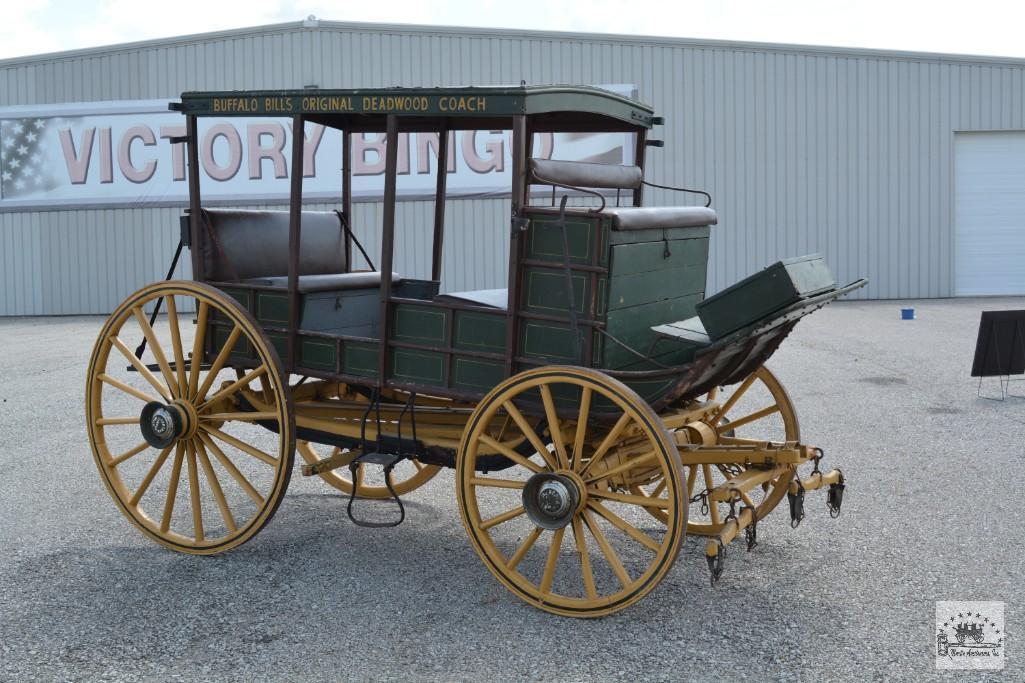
210	165
177	151
106	157
77	164
275	153
495	149
310	144
124	154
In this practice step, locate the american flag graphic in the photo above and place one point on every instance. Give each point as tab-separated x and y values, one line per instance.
24	167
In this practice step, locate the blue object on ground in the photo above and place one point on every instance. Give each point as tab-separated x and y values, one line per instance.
907	314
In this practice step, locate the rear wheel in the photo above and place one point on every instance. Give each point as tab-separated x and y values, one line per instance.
195	441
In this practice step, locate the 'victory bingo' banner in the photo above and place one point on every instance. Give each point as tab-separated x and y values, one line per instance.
120	153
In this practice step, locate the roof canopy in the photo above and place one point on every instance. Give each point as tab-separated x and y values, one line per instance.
549	108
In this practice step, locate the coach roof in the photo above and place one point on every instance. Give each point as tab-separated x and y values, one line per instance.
550	107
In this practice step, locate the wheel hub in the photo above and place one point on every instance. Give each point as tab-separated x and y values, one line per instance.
161	424
551	500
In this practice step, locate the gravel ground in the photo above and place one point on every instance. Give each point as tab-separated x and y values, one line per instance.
932	512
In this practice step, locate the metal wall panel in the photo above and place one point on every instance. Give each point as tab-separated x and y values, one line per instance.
845	152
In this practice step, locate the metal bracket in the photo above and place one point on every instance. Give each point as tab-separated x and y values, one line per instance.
834	497
796	504
716	563
519	224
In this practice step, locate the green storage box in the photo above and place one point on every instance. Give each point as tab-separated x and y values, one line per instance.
760	295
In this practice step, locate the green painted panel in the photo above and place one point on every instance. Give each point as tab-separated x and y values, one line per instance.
474	373
359	359
656	235
547	340
480	331
646	256
272	308
422	367
632	326
279	340
317	353
238	294
544	291
242	348
420	324
544	239
655	285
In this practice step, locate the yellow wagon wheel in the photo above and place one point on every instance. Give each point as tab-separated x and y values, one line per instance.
552	527
194	442
756	410
407	477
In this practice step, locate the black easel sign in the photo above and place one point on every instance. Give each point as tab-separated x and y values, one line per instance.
1000	349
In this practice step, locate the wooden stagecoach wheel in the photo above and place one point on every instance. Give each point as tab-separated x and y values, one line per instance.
215	452
407	477
756	410
555	528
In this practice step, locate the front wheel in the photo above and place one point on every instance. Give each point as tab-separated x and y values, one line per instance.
195	441
571	485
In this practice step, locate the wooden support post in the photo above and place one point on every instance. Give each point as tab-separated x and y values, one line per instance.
439	205
391	156
519	193
639	150
347	194
195	234
295	208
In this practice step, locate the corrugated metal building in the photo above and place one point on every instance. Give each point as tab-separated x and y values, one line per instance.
900	167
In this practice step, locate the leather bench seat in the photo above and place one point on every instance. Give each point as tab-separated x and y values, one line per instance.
491	298
641	218
326	282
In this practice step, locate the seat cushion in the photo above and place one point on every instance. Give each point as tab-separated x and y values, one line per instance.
329	282
252	244
640	218
585	174
492	298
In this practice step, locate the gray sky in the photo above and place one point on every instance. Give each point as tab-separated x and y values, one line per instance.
984	27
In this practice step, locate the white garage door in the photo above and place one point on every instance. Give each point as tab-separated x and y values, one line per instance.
989	181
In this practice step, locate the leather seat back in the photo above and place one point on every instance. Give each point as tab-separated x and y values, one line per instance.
238	244
585	174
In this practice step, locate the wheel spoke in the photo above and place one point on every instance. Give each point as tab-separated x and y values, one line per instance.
156	349
239	417
148	479
215	486
502	518
585	559
624	526
497	483
127	455
578	438
118	384
732	400
521	552
141	368
643	501
233	387
241	445
172	487
231	469
631	463
218	363
554	426
531	435
657	491
197	506
553	558
197	347
610	439
176	343
509	453
753	417
128	420
606	549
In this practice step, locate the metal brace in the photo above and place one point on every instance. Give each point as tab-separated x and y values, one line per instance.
796	503
751	530
834	497
716	564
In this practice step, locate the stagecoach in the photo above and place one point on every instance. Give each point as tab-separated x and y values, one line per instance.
596	410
